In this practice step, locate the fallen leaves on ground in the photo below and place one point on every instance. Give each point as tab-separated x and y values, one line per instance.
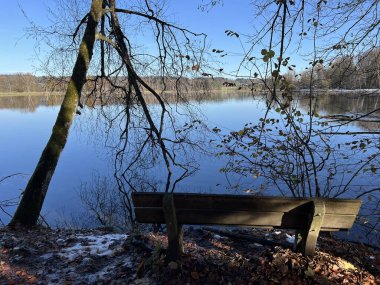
36	257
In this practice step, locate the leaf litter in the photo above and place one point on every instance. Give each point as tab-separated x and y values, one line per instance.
57	256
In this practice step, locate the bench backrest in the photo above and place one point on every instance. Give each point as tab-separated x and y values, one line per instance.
215	209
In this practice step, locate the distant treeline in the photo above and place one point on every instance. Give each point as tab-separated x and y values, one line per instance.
345	72
26	82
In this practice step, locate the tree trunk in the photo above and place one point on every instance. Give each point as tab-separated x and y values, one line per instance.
33	197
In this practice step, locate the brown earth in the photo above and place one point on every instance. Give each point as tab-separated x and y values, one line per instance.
247	256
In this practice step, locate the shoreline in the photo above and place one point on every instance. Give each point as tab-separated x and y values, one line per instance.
333	92
36	93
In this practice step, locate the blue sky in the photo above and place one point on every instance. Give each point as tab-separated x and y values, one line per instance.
18	53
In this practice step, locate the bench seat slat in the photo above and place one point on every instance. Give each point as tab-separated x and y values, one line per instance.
307	216
244	203
265	219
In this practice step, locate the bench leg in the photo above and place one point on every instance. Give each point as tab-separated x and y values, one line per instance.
174	230
306	240
299	239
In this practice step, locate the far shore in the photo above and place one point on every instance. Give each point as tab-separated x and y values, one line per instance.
19	94
222	90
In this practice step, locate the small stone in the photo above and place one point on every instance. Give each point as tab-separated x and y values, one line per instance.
87	261
254	245
60	242
173	265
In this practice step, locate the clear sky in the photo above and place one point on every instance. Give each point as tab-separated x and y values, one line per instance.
18	52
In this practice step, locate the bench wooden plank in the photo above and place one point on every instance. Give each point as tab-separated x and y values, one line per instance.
243	202
307	216
243	218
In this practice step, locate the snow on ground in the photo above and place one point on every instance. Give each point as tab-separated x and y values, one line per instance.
100	245
61	257
290	238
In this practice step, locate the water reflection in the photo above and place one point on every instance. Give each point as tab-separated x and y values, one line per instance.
25	103
346	104
342	104
329	104
24	135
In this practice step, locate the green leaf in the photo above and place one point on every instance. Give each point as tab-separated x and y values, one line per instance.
271	54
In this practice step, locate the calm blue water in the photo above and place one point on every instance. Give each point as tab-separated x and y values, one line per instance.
26	126
25	131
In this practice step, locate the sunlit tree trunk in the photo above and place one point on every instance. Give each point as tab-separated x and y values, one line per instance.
33	197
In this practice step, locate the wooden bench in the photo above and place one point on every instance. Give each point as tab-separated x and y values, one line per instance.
307	216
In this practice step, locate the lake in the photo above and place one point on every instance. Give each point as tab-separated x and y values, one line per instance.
27	122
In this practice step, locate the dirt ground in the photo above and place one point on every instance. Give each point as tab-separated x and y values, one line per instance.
241	256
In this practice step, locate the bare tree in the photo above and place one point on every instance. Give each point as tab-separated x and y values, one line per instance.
148	132
104	202
33	197
293	148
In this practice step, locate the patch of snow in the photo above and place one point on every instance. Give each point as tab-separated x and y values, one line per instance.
217	237
128	262
277	232
60	241
92	245
47	255
290	238
257	244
